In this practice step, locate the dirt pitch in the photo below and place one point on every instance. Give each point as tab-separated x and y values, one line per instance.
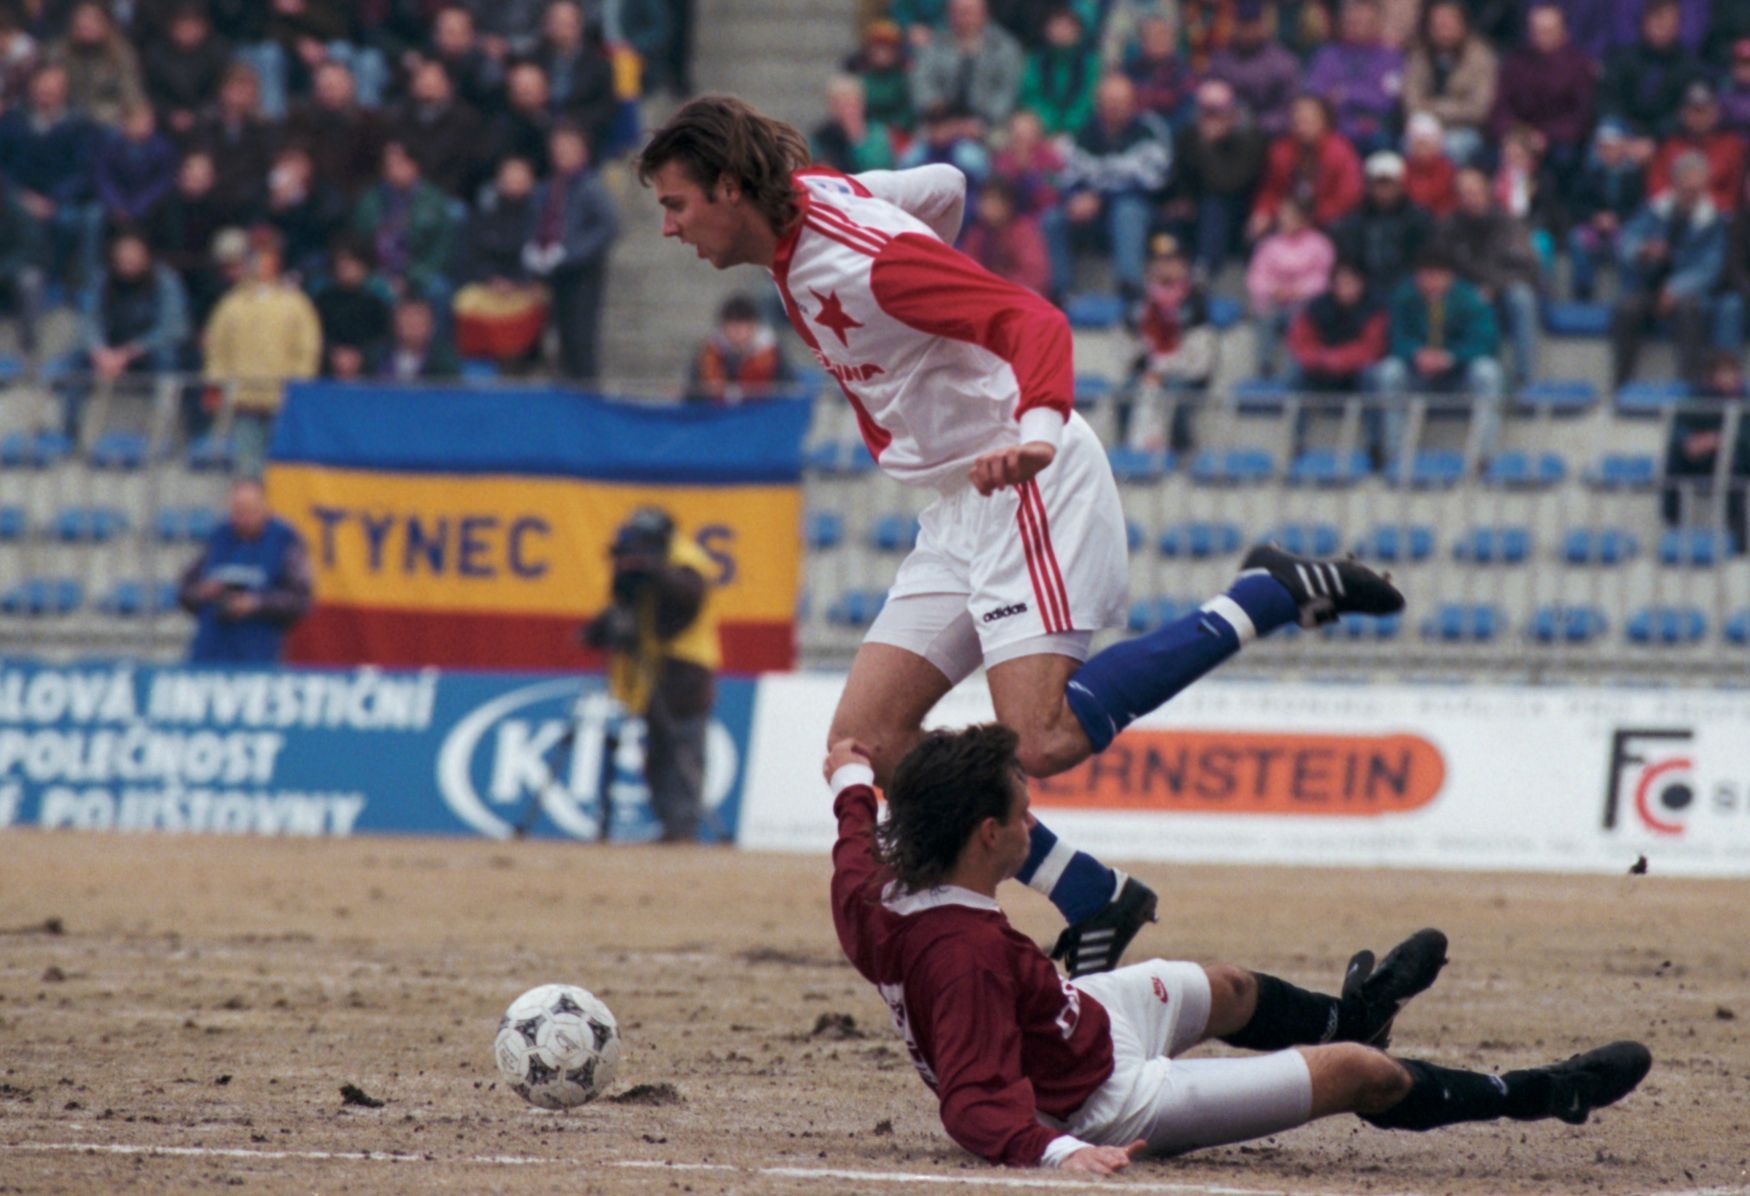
180	1014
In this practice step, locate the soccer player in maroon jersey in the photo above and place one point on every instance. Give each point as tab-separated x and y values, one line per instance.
1034	1070
964	384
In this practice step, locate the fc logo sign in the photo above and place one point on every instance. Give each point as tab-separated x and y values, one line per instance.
1651	785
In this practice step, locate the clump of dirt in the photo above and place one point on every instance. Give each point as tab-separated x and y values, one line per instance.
836	1027
648	1094
352	1094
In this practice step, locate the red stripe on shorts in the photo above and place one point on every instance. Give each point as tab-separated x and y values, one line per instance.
1036	566
1054	575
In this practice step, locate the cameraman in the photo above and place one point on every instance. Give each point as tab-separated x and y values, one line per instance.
660	635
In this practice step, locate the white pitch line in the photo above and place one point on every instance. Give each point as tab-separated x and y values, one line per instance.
985	1179
221	1152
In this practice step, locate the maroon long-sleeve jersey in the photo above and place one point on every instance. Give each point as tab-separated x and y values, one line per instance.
991	1026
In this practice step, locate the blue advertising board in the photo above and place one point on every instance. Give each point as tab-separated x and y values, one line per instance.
337	752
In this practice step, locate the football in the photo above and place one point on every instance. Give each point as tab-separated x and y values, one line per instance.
557	1046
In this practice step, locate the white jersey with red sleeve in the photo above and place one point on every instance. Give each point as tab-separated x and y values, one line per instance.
942	360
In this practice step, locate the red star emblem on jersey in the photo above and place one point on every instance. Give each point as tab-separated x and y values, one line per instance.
832	315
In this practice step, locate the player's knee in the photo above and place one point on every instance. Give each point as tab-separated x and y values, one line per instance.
1233	993
1046	753
1378	1080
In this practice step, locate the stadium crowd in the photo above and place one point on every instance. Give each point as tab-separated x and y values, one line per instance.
1407	182
261	190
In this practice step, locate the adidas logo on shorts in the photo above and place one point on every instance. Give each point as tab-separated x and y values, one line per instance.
1003	612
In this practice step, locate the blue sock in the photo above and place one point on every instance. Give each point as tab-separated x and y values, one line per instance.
1129	679
1078	884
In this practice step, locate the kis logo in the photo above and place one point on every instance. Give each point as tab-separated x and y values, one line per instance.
1003	612
1651	783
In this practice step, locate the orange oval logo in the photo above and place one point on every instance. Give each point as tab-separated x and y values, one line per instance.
1252	772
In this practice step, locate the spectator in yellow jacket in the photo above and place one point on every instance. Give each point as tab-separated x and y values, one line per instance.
263	332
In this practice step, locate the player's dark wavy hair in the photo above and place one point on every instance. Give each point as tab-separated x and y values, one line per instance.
946	785
714	136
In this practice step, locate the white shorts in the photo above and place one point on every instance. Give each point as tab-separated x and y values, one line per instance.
1159	1010
1034	568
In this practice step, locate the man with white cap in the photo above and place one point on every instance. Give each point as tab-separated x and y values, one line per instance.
1387	232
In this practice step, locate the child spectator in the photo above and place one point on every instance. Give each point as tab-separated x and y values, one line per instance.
1007	241
880	64
1451	75
1218	161
848	140
1607	194
1163	78
1312	162
1178	352
1263	74
352	312
1429	175
1028	163
741	359
1058	85
1699	131
1442	340
1289	267
1337	337
1360	77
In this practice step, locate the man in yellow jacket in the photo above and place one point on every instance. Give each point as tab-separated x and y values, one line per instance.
660	633
263	332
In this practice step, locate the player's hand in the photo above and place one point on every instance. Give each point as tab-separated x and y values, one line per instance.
1011	466
845	751
1102	1160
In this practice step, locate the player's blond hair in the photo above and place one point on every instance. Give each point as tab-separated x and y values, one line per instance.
717	136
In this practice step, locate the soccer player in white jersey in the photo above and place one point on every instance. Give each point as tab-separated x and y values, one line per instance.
964	384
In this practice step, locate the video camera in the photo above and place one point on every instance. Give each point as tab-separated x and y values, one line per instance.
639	549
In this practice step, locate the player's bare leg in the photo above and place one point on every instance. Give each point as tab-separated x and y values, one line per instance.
1028	695
884	702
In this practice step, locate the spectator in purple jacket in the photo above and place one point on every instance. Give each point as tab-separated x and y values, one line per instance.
1361	77
1692	21
1644	83
136	167
1261	71
1735	90
1547	88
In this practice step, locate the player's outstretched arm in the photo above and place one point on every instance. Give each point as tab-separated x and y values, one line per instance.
1102	1160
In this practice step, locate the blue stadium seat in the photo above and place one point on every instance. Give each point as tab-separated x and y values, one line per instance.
1554	624
89	525
1737	626
1523	471
825	456
1429	469
1365	627
823	529
1259	396
893	532
212	454
1576	319
132	599
34	450
1560	396
1698	547
1225	311
1488	545
1649	399
1150	613
1624	471
14	523
1393	542
41	597
1306	539
1200	539
1133	534
1091	389
1667	626
857	608
1599	546
479	369
1094	310
1138	465
1232	467
1328	467
185	523
1463	622
12	367
120	451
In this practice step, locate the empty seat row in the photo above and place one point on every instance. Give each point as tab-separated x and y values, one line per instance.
117	451
51	597
102	524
